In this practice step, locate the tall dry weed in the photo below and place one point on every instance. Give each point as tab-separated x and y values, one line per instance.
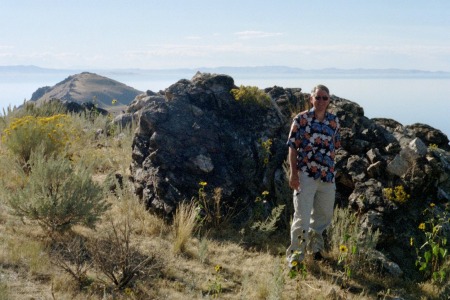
184	224
116	255
125	203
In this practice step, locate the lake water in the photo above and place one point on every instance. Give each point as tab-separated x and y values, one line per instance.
406	100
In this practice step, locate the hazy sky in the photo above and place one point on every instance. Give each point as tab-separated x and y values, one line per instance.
406	34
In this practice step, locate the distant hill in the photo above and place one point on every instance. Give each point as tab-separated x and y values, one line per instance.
30	69
87	87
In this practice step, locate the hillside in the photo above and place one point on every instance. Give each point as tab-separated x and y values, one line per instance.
208	263
83	218
87	87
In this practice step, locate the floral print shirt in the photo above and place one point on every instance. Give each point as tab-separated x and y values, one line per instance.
316	143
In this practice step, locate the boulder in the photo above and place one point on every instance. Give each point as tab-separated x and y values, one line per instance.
197	133
430	135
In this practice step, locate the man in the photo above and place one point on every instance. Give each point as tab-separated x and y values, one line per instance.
313	140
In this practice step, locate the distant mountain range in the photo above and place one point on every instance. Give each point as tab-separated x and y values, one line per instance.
273	70
81	86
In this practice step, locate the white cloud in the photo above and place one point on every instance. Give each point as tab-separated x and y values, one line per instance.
250	34
187	54
424	57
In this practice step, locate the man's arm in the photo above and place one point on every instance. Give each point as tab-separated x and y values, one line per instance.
294	182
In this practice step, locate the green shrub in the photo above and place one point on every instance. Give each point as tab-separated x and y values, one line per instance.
268	225
432	255
251	95
352	245
56	195
264	223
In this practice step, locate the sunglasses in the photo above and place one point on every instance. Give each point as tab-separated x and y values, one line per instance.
324	98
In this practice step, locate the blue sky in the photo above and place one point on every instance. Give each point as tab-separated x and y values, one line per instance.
164	34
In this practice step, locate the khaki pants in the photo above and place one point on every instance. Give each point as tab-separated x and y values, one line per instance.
313	206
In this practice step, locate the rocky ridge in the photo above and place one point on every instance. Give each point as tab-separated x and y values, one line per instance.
195	131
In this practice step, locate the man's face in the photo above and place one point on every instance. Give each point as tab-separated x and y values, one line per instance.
320	100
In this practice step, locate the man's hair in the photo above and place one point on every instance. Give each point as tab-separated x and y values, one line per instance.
320	87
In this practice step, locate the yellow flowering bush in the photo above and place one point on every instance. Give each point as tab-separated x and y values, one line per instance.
251	94
24	135
397	194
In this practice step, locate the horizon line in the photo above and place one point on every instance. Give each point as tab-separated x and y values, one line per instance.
334	69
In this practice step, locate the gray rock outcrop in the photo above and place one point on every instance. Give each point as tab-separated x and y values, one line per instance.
195	131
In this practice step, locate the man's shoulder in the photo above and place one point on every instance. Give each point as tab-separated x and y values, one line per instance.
303	114
331	116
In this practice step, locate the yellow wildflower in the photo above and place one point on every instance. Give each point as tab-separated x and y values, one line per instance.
218	268
128	291
432	205
265	193
294	263
433	146
422	226
203	183
343	248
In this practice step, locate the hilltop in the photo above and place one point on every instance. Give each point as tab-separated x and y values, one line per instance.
87	87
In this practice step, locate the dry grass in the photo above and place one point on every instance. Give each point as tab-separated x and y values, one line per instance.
191	274
189	265
183	226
